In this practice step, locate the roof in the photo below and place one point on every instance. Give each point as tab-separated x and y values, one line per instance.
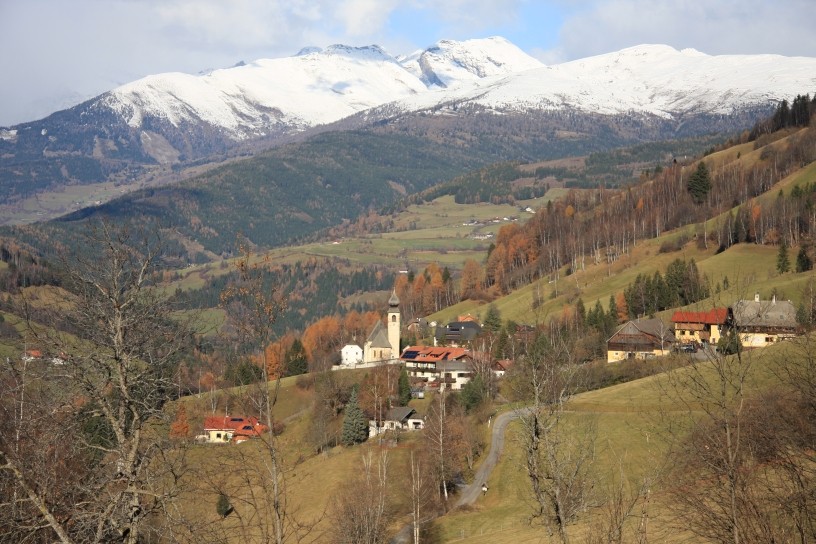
715	316
379	336
467	318
433	354
399	413
228	423
459	330
650	327
393	302
764	313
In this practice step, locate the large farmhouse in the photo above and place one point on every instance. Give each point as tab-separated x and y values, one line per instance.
762	322
640	339
699	327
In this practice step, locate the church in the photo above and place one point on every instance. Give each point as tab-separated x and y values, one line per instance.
383	344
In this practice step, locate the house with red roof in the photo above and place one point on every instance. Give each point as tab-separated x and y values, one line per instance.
223	429
699	327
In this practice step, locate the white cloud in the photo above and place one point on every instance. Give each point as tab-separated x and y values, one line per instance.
721	27
364	17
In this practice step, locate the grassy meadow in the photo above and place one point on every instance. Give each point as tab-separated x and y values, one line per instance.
635	423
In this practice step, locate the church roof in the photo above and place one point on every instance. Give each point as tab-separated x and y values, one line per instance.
379	336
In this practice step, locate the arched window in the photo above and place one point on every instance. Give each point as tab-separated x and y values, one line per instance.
393	318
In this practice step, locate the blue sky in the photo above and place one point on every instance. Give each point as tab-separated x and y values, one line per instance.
60	52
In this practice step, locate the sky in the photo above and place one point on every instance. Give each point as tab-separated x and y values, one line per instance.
57	53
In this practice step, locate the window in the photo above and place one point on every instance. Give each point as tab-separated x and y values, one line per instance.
393	318
218	435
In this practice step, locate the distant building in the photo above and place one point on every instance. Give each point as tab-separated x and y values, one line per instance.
763	322
351	354
640	339
219	430
438	366
699	327
457	333
399	418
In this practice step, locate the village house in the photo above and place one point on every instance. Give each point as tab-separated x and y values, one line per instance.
501	366
457	333
399	418
351	354
640	339
223	429
699	327
438	366
763	322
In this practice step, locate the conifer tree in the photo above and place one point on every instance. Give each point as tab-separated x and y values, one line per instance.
782	260
355	426
296	362
699	183
492	320
803	262
404	387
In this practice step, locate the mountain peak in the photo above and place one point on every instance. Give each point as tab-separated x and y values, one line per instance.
365	52
450	63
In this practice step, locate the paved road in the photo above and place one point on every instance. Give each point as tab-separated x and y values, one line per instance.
472	492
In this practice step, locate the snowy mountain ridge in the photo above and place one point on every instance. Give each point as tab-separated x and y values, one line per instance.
320	86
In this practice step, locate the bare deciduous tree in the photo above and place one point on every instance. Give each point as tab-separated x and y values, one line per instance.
558	455
361	508
712	486
253	305
93	466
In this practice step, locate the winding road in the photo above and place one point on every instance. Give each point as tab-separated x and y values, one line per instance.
471	492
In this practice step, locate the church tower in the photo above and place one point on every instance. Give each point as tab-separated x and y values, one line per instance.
394	325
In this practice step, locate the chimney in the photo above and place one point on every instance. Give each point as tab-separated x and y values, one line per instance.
756	297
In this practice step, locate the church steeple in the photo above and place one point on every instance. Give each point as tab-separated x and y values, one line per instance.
394	324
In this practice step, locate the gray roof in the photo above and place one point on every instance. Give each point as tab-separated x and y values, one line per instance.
764	313
652	327
379	336
399	413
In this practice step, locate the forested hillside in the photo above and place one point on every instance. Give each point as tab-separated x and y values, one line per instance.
720	192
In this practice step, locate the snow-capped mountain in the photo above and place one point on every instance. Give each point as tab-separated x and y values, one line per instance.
650	79
318	86
315	87
450	64
177	118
